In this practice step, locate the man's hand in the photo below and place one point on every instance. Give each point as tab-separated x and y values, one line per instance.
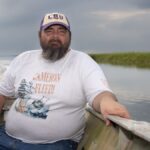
107	104
111	107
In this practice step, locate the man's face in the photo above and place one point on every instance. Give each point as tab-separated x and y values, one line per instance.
55	42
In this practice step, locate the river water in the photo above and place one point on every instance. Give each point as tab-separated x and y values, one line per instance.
132	88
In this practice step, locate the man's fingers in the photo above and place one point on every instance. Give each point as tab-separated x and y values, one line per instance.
119	111
122	113
107	121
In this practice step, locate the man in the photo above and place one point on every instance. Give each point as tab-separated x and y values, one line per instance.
51	87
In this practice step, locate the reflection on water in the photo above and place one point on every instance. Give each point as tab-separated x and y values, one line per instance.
132	87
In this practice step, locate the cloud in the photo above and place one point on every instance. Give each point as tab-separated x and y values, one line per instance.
96	25
120	15
142	4
121	30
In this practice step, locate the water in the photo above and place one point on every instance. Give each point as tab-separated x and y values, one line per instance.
131	86
129	83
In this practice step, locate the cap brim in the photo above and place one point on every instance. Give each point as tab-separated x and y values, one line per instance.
55	23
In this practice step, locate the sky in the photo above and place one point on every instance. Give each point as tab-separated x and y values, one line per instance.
97	26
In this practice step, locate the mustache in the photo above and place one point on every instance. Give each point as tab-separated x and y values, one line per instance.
53	40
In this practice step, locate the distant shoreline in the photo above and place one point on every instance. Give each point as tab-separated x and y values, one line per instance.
130	59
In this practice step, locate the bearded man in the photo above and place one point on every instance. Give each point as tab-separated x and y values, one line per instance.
52	87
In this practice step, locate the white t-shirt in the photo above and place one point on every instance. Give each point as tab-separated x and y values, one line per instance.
50	96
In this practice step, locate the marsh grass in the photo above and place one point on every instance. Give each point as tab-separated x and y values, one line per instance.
132	59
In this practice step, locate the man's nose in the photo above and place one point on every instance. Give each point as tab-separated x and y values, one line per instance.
55	34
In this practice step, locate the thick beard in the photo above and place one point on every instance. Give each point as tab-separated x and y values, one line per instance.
53	54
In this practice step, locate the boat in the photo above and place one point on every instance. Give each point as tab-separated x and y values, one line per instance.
122	134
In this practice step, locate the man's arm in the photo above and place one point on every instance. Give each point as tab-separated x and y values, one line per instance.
107	104
2	101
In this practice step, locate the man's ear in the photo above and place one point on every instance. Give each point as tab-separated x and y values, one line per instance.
39	34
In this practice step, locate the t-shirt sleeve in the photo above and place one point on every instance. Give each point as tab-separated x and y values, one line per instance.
94	80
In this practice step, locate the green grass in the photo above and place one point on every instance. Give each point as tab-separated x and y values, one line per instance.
132	59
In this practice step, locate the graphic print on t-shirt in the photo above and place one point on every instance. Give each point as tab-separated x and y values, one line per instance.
31	94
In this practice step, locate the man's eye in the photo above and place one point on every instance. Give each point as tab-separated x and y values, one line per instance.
48	31
62	31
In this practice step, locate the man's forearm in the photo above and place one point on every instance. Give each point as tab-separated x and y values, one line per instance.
106	96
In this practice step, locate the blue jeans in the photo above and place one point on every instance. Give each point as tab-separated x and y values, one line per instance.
9	143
